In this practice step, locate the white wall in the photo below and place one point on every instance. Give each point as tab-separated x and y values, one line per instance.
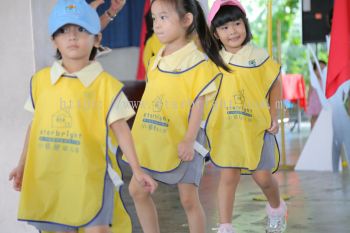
17	66
43	49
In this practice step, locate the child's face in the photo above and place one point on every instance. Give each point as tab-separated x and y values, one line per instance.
167	24
232	35
74	42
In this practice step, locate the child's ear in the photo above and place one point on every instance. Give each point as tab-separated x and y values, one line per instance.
216	36
98	39
187	19
54	45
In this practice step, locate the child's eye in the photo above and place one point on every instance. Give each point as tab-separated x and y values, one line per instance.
63	30
81	29
237	23
162	17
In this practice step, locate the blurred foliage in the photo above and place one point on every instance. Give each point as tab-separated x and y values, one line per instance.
288	12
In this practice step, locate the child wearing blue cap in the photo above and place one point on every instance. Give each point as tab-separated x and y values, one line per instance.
67	171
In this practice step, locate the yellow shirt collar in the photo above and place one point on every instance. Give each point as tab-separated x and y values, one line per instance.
86	75
180	60
248	56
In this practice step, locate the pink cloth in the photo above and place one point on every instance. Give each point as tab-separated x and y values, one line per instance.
218	3
314	108
294	89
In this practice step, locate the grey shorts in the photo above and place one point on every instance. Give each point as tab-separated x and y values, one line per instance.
189	172
267	160
103	218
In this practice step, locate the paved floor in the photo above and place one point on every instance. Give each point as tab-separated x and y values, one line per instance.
319	201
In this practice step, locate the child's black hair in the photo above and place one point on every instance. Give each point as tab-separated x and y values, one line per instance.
149	25
58	54
199	25
228	14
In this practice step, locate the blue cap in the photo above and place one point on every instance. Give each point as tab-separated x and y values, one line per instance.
76	12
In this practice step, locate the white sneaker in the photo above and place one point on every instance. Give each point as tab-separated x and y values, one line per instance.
225	229
276	218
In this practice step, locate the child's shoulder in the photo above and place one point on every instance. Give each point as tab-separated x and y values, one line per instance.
195	58
42	74
254	55
43	71
109	78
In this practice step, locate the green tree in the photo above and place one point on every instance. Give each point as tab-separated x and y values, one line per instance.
288	12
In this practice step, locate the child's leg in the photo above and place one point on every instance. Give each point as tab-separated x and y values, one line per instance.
269	186
276	209
97	229
229	179
145	208
193	208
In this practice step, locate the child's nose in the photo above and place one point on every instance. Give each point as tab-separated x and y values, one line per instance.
73	34
232	30
155	24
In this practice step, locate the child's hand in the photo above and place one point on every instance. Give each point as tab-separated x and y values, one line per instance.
185	150
274	126
16	175
149	184
117	5
95	4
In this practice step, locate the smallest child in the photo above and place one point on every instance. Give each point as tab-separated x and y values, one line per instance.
65	172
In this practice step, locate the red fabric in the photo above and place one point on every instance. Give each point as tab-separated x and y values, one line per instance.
141	71
339	56
294	89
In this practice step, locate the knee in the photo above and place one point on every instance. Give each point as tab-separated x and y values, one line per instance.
188	203
229	182
136	191
230	179
265	182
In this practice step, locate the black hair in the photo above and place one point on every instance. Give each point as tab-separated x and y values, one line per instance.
227	14
93	53
199	25
314	66
58	54
149	25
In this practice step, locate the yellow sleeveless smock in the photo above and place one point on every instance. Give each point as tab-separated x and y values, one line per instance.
66	165
162	118
240	117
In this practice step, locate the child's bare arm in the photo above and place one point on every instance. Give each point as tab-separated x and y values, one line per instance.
116	6
274	101
122	132
95	4
17	173
185	147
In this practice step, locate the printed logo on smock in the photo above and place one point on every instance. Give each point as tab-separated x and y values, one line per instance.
239	98
158	104
239	110
62	118
61	137
155	120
